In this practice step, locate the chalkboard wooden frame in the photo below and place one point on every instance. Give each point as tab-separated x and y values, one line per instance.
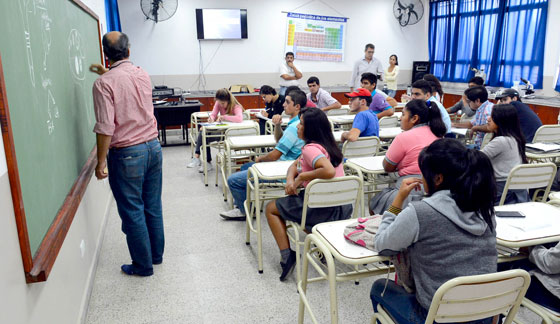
37	268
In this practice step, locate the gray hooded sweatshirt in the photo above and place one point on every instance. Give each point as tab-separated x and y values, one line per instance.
444	242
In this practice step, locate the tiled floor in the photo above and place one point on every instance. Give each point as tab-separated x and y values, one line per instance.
208	275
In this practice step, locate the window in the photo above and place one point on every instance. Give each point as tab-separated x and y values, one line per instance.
503	37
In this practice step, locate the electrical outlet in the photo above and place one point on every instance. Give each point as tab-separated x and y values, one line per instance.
83	248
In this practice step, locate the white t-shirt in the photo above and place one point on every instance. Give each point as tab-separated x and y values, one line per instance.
285	69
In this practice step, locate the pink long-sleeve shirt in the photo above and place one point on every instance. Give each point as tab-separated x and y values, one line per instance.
123	106
237	111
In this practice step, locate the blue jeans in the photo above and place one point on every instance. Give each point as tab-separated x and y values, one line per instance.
513	196
282	91
237	183
402	306
135	177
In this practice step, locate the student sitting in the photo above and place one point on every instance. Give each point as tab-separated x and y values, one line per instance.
274	104
544	267
528	120
422	125
378	105
506	150
449	234
320	159
477	99
229	110
366	122
460	105
309	104
288	148
320	97
424	90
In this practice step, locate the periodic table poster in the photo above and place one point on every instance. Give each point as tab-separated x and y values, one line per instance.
315	38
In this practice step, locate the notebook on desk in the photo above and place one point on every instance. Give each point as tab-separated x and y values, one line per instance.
543	147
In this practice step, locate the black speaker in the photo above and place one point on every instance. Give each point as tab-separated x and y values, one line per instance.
419	68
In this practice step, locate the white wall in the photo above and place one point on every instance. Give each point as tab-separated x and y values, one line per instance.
169	50
63	298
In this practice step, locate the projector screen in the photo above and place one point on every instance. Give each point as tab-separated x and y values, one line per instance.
221	23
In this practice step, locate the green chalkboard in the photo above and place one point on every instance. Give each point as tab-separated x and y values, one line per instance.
46	47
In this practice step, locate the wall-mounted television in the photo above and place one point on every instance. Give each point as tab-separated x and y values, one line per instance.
221	23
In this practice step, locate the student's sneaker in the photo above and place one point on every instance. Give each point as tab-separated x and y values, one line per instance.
234	214
194	163
209	167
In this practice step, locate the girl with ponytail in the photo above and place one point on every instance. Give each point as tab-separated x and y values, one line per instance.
422	124
506	150
450	233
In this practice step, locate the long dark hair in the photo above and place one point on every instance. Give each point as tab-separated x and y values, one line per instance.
427	114
467	173
506	118
396	59
436	84
317	129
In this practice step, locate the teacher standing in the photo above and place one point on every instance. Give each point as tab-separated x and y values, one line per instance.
127	144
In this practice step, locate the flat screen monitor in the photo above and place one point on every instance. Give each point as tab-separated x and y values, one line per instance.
221	23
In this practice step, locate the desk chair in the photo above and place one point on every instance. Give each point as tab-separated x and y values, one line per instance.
234	157
325	193
338	112
547	134
486	139
548	316
363	146
471	298
530	176
352	263
196	119
389	121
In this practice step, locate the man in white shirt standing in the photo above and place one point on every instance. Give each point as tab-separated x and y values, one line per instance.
289	74
367	64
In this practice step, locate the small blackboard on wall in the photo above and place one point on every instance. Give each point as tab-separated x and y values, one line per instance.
47	118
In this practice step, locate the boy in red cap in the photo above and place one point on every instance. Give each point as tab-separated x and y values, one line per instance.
366	122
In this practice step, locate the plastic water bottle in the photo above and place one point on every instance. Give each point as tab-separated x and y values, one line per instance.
385	88
409	91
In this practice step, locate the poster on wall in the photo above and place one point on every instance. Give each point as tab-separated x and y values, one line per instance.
315	38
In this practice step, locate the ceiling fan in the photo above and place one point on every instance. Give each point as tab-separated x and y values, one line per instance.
158	10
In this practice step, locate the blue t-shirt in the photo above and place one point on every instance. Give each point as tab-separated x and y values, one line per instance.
367	122
290	144
528	120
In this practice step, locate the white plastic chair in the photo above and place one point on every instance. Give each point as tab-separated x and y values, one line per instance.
363	146
548	316
246	115
547	134
234	157
486	139
196	119
473	298
338	112
389	121
325	193
530	176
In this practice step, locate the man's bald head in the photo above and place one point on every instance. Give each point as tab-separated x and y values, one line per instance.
115	46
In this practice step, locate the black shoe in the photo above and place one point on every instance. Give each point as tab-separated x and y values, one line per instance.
131	270
288	267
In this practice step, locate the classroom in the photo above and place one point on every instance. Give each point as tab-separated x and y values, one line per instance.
297	161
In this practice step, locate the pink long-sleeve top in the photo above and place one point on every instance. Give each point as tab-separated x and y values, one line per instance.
237	116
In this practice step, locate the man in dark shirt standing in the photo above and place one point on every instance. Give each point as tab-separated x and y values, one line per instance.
274	104
127	130
528	120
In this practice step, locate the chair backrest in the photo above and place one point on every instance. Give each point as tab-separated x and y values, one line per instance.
246	115
486	139
243	131
530	176
477	297
363	146
269	127
333	192
338	112
389	121
547	134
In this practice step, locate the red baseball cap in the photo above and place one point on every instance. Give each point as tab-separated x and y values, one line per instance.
360	92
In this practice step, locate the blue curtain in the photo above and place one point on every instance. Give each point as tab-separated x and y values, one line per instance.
112	13
504	37
557	88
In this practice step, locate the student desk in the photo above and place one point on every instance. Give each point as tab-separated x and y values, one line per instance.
238	143
175	115
265	181
216	131
540	225
535	156
353	262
